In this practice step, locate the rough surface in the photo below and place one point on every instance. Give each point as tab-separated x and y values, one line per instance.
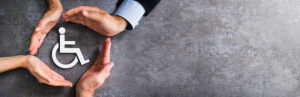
185	48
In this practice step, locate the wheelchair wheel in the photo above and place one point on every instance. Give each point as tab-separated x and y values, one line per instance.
60	64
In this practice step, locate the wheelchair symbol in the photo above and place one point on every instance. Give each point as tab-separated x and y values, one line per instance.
61	46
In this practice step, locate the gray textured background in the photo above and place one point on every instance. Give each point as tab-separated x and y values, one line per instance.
191	48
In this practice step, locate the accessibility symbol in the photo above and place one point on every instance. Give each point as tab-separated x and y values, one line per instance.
61	46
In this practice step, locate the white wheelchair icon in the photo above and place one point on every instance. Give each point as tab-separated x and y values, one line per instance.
62	49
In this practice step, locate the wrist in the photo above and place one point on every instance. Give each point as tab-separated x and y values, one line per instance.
122	23
25	61
55	5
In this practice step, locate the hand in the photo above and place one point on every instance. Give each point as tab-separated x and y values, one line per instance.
96	19
43	73
94	77
45	24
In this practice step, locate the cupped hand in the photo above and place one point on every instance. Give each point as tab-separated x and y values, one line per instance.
94	77
45	24
43	73
96	19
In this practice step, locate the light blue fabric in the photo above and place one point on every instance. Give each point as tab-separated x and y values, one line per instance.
132	11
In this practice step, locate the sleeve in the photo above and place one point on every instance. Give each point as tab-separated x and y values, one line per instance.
132	11
148	5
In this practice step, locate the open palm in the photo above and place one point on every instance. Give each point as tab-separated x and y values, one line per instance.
44	74
96	19
48	21
94	77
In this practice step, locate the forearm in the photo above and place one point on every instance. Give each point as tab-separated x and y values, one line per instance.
9	63
55	4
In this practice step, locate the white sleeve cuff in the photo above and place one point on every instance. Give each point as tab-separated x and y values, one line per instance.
132	11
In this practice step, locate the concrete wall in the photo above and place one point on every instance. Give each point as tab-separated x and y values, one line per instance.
184	48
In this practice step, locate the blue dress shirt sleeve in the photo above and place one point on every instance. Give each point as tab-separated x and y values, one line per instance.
132	11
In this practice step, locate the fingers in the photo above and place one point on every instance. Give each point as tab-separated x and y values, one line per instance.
43	75
35	36
51	78
75	17
34	51
41	40
96	16
54	81
57	76
60	83
106	51
78	22
58	80
99	59
83	13
34	40
34	47
105	72
77	10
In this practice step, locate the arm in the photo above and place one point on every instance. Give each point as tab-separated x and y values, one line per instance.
148	5
9	63
96	19
36	67
126	16
95	76
45	24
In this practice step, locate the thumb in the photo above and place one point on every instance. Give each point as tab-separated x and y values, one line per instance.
92	15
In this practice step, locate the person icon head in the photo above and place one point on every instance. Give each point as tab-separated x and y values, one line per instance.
62	30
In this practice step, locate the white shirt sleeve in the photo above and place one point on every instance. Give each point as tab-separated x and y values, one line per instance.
132	11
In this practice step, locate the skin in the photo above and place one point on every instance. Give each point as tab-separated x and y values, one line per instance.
45	24
96	19
92	17
36	67
95	76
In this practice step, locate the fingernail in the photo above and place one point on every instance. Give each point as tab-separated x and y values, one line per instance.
85	12
107	40
37	28
49	80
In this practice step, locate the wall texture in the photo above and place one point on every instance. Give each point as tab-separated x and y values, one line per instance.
184	48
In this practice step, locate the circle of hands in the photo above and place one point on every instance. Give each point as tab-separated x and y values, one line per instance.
92	17
92	79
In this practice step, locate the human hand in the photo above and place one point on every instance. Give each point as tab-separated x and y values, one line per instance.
45	24
94	77
43	73
96	19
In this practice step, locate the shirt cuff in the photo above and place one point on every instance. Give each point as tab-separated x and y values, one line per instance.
132	11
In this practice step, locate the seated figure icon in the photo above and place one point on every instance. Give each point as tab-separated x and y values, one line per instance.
61	45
